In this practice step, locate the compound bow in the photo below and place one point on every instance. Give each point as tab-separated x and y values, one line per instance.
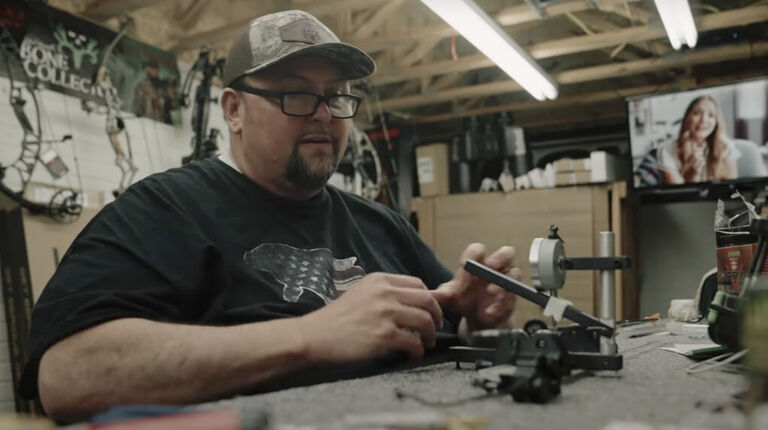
115	123
362	155
202	146
64	205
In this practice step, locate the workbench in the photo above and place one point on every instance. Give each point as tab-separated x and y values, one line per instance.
652	388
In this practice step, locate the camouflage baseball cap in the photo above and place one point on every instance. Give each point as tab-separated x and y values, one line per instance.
276	37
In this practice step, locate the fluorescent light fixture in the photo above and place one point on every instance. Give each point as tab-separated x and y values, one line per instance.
490	39
678	21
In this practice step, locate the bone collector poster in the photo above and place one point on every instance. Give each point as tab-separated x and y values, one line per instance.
63	52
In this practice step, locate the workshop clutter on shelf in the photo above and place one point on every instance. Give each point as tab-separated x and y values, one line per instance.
491	154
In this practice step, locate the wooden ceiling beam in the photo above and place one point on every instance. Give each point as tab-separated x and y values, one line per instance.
335	6
632	13
588	74
359	19
379	17
571	45
192	14
417	53
599	23
574	100
345	24
506	17
588	99
102	10
446	81
232	30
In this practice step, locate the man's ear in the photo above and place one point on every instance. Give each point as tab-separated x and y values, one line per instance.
230	105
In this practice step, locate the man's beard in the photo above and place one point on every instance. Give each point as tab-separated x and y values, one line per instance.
304	177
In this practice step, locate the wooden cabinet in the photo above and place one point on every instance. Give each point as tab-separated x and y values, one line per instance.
449	223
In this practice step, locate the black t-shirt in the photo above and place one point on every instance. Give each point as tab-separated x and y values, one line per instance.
203	244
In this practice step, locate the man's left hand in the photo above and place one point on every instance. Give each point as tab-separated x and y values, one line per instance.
483	305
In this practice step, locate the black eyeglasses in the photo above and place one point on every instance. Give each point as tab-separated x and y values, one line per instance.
302	103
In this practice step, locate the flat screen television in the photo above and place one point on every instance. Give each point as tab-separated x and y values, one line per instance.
708	135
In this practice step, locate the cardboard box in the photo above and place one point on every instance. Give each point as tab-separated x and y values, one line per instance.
572	165
599	167
604	167
571	178
432	169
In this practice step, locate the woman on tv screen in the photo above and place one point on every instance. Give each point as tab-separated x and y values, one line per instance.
701	151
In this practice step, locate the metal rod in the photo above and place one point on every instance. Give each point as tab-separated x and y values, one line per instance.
607	279
607	292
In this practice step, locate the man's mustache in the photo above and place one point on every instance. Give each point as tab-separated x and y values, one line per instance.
333	137
321	131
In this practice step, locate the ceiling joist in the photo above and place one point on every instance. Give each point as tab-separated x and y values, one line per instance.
102	10
417	53
576	100
589	74
378	19
509	16
232	30
587	99
417	77
571	45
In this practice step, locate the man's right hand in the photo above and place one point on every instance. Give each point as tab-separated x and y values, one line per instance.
381	313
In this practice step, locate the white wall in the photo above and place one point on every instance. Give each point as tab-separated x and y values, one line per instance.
156	147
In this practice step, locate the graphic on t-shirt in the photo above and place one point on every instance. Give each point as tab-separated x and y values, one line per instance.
297	270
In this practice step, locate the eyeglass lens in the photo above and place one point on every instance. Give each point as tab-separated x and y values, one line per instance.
341	106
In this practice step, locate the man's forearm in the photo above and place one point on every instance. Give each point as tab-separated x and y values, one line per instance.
140	361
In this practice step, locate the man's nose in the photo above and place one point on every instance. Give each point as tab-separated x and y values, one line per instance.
323	113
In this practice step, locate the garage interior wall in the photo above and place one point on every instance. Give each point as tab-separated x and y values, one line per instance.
664	271
156	147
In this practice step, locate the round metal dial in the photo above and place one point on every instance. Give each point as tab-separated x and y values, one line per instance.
547	260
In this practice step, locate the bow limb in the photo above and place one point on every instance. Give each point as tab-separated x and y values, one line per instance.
64	205
115	126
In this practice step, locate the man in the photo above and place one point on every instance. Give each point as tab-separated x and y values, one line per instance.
225	276
152	97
